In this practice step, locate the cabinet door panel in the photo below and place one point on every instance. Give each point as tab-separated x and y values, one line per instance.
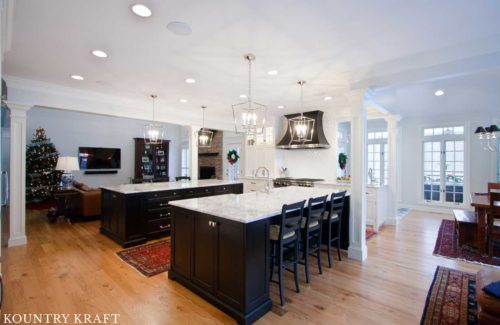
182	242
203	253
230	257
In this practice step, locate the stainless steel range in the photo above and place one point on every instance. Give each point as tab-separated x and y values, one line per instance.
291	181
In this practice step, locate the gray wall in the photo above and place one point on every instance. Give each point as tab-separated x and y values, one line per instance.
70	130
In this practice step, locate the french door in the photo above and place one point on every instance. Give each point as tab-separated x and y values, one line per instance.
444	171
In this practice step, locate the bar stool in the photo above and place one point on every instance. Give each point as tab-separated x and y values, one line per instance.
285	242
311	231
331	218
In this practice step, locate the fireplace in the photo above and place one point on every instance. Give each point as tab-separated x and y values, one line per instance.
206	172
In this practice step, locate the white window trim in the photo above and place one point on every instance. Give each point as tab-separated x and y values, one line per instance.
466	137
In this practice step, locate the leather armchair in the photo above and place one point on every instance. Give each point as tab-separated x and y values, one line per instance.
89	201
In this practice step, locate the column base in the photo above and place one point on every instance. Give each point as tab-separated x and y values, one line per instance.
357	253
17	241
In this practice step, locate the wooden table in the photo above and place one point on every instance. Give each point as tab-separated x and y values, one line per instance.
481	203
66	206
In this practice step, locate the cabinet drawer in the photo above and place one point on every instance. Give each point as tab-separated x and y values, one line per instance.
165	195
223	189
158	225
153	214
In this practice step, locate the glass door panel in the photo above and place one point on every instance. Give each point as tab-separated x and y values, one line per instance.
432	171
454	169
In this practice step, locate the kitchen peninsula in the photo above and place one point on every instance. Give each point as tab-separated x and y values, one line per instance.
133	213
220	247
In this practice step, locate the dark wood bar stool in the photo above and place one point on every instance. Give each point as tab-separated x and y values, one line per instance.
311	226
285	243
332	219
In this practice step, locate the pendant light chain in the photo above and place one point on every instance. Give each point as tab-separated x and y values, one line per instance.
154	99
249	82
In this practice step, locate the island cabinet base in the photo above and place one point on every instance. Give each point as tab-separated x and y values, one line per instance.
224	261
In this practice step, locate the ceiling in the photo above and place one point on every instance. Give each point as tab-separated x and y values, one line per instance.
333	45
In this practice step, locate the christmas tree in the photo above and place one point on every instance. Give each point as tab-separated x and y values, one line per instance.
41	159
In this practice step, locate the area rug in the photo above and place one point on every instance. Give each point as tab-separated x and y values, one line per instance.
370	234
447	246
149	259
451	298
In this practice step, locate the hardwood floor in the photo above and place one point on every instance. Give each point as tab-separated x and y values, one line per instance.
71	268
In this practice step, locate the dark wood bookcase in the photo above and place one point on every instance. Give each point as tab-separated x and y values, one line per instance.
151	160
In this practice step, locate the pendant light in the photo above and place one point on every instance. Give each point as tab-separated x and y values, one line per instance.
205	136
301	127
153	132
249	116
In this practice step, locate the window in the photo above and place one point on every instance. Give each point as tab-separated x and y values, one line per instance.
444	165
267	137
498	161
377	163
185	162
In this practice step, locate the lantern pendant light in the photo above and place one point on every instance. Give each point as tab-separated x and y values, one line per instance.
301	127
153	132
205	136
249	116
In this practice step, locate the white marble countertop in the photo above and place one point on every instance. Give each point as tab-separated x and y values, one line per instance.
165	186
254	206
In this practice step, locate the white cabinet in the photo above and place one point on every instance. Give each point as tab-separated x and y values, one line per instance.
253	184
257	156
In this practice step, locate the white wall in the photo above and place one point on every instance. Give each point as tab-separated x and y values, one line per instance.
481	163
70	130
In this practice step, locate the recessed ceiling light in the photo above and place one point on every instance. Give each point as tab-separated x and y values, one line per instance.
243	96
280	107
182	100
272	72
141	10
77	77
190	81
328	98
99	53
439	92
179	28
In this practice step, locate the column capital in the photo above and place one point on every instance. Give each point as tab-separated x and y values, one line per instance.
18	109
392	119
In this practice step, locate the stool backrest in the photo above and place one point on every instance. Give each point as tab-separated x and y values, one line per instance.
495	204
493	186
315	209
291	217
337	203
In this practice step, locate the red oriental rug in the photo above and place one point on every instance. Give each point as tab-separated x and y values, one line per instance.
370	234
447	246
451	298
149	259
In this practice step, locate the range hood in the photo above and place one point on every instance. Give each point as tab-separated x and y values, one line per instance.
318	139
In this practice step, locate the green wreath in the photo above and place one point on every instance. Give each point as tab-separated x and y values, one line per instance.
232	157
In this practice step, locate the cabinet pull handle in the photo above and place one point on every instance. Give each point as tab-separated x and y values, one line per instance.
164	227
163	204
164	214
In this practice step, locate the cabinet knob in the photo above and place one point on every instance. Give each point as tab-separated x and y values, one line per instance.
164	227
163	204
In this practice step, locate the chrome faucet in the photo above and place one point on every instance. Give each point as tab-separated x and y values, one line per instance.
264	171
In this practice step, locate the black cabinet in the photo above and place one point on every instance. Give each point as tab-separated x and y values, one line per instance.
132	219
224	261
151	160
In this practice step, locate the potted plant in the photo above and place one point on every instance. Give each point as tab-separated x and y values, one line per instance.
343	165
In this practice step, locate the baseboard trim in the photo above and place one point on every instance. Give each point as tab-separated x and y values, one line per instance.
426	208
17	241
357	253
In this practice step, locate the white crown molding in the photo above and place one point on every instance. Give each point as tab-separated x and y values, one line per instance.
37	93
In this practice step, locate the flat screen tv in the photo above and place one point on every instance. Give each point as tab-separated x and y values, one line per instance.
99	158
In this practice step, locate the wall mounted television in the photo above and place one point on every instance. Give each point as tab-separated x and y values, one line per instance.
99	158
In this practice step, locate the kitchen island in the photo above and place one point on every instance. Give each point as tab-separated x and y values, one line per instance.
220	247
134	213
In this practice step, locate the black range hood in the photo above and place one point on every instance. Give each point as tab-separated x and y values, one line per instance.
318	140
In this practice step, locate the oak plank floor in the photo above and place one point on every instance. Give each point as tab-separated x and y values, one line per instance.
71	268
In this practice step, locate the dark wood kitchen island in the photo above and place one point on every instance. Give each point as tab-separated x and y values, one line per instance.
134	213
220	247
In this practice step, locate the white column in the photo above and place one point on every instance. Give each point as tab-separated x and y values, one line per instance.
357	222
193	152
392	140
17	181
